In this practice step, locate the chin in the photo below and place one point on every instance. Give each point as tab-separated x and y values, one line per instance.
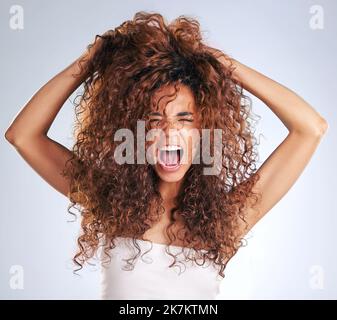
171	174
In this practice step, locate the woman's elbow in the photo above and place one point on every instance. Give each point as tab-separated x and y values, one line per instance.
9	136
323	126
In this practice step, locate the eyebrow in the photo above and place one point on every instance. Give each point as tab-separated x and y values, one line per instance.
179	114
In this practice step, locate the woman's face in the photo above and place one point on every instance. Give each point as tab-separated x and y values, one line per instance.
177	125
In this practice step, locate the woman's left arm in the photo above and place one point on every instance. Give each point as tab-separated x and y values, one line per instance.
285	164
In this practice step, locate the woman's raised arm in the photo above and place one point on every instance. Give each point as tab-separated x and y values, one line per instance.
28	131
306	127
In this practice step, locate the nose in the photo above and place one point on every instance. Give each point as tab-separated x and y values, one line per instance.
168	124
170	134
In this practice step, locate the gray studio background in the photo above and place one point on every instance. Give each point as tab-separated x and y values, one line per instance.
291	252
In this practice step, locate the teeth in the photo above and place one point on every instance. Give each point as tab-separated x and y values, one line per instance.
170	148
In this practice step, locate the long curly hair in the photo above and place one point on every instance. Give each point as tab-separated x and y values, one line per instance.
132	62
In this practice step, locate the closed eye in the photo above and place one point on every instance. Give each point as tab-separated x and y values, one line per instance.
188	120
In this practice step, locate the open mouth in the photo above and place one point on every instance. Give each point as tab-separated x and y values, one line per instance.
169	157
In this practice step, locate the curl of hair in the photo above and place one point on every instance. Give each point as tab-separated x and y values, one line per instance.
131	63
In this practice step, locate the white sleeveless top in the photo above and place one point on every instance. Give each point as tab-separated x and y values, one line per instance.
152	278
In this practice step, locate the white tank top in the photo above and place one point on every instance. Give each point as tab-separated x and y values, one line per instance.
152	278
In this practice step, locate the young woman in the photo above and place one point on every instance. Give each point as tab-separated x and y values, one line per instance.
164	76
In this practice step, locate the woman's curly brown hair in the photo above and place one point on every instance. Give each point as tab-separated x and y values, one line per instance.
132	62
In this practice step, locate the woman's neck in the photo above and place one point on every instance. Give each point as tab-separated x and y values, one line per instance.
169	190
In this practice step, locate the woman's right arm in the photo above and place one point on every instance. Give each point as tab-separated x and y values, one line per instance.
28	131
